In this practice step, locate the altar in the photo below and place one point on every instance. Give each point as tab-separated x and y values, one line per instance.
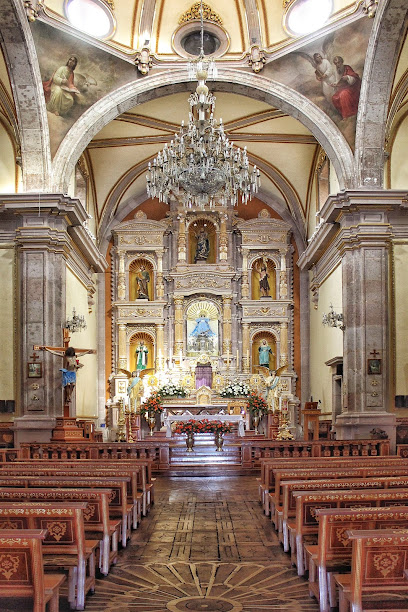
224	418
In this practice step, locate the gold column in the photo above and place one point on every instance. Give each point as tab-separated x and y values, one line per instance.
122	361
121	278
244	282
245	347
223	239
159	279
159	346
181	243
226	324
178	326
283	279
283	343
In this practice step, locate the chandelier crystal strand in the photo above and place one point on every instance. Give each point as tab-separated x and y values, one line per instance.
201	167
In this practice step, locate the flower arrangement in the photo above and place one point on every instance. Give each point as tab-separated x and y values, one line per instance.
235	389
204	426
172	390
256	404
152	405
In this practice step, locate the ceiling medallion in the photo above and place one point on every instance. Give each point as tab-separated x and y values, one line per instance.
194	14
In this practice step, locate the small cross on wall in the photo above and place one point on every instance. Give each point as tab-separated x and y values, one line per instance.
374	353
34	356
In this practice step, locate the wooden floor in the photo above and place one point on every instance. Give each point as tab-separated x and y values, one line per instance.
206	545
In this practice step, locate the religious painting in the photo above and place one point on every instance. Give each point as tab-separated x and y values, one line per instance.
373	366
202	242
328	72
202	328
74	75
34	370
263	279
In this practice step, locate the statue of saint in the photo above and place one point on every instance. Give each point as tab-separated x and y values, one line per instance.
264	287
202	327
271	379
142	280
203	246
141	356
264	353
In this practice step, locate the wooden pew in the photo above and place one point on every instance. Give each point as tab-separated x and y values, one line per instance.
98	525
64	545
135	474
305	525
276	497
118	506
24	574
289	503
332	553
267	480
379	560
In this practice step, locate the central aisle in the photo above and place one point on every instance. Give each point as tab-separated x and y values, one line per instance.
205	546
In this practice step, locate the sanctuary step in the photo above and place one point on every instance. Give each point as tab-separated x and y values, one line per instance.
204	451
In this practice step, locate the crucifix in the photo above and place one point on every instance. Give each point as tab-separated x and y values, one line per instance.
71	365
374	353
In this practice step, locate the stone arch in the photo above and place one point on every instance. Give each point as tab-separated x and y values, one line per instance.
19	51
229	80
387	36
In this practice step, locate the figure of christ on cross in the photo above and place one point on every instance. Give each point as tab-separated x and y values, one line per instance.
71	365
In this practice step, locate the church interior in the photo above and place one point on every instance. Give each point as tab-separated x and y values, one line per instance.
203	241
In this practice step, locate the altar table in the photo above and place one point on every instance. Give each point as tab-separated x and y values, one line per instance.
224	418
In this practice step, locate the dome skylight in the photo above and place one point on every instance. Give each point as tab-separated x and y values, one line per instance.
93	17
306	16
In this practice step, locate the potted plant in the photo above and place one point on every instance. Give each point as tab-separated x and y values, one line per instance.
257	406
150	407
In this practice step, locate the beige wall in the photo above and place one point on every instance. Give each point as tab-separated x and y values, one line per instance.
86	387
401	318
7	163
7	354
325	342
399	166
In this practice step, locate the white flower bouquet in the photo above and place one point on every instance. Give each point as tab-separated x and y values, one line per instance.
235	389
172	390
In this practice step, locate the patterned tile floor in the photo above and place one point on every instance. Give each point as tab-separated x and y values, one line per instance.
205	546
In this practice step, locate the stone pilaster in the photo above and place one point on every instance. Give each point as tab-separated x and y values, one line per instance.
226	322
178	325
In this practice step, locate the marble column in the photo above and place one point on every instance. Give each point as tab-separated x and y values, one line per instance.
226	323
159	278
121	278
181	241
283	357
223	238
283	277
178	326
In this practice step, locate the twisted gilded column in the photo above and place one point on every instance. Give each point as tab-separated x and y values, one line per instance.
181	242
244	281
283	344
178	325
121	278
159	346
226	323
223	239
122	357
245	347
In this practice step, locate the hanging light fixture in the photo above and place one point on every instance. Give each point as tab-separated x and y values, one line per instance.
201	167
76	324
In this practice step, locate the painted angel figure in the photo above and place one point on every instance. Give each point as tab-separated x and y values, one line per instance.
271	379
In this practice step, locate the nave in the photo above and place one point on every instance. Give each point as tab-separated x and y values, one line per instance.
205	545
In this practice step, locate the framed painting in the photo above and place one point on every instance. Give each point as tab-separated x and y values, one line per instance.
373	366
34	370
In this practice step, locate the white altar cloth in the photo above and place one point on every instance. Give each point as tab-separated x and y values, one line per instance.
226	418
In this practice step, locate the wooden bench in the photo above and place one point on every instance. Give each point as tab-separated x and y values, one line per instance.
267	479
304	528
98	525
118	506
64	546
289	502
379	560
22	571
134	495
332	553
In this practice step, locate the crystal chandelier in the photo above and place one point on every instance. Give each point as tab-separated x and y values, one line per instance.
332	319
77	323
201	167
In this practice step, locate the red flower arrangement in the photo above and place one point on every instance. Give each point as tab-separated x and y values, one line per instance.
153	405
204	426
256	404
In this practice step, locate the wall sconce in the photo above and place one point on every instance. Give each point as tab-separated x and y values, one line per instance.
332	319
77	323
